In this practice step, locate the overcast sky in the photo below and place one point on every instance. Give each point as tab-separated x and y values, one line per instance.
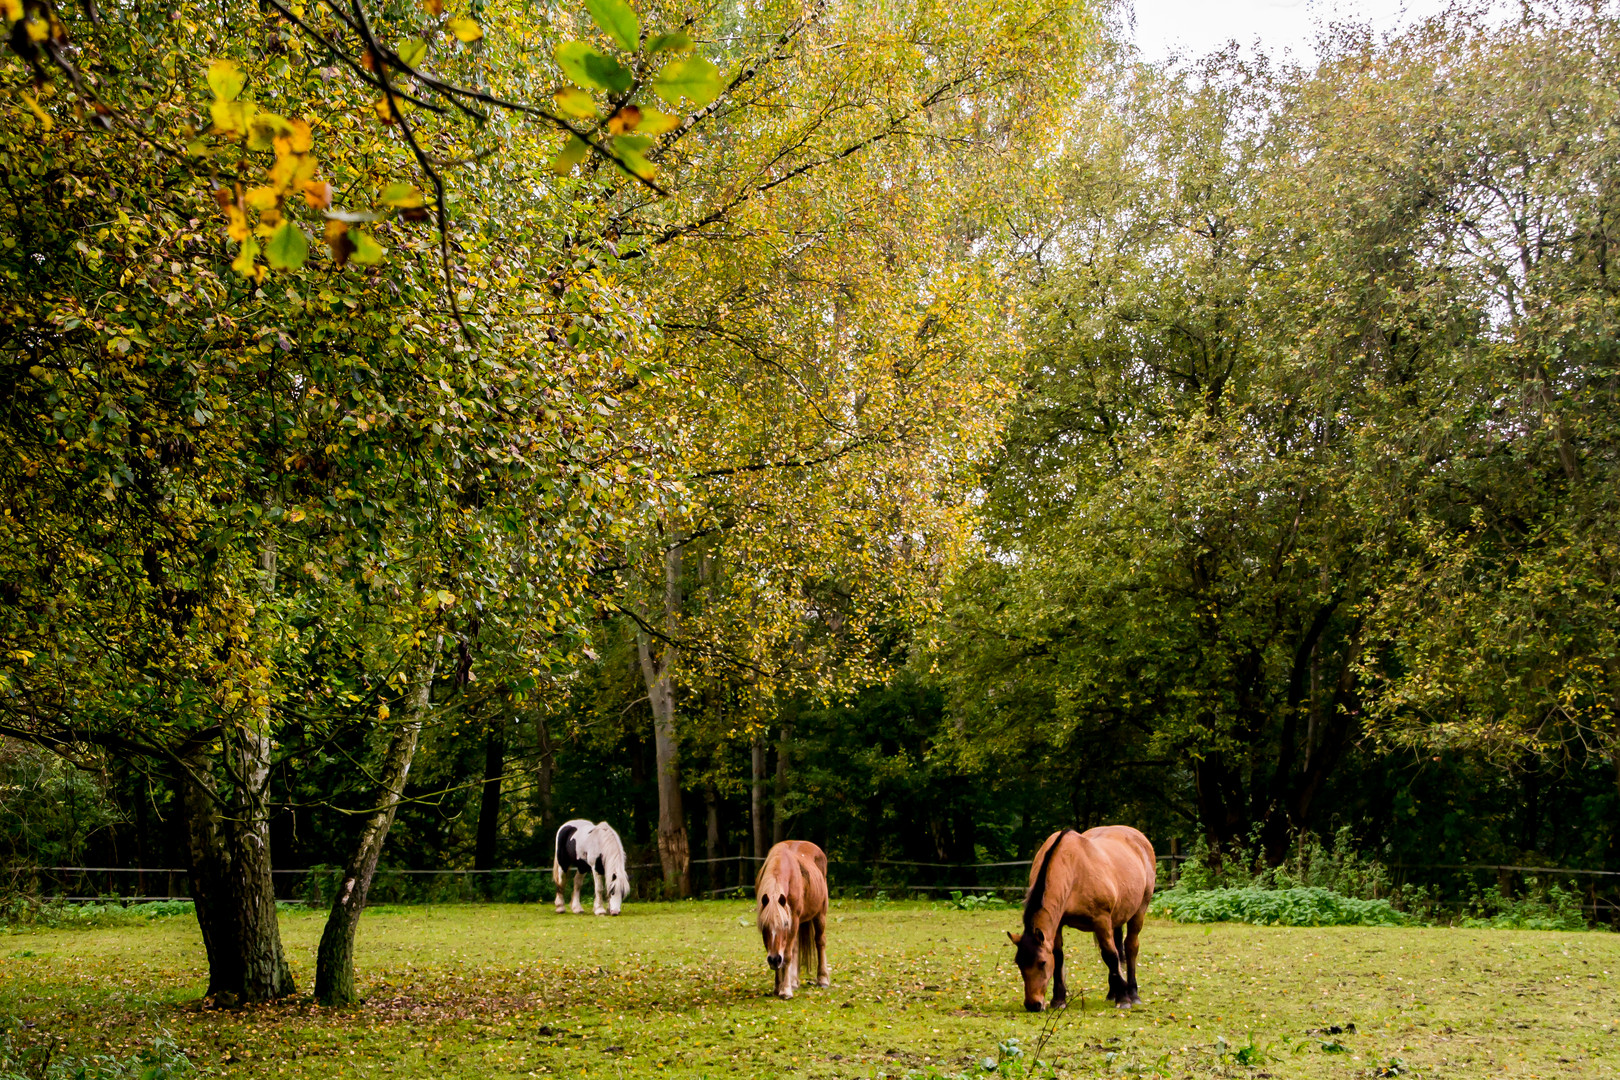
1280	26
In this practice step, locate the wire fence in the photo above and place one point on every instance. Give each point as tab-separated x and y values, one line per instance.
711	877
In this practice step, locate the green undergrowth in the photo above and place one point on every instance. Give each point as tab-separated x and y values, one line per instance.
162	1060
22	915
1277	907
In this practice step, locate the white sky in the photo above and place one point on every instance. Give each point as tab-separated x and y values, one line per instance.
1282	27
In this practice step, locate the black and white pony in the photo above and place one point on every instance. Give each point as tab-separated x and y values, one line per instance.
594	849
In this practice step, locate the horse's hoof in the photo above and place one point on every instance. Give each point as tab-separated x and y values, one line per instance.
1058	1003
824	981
1122	1003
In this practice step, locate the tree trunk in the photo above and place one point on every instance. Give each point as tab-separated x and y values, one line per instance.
757	795
711	838
657	668
548	764
334	960
489	804
229	847
779	823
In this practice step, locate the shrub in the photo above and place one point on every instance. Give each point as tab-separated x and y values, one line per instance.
22	912
1556	909
1300	906
162	1061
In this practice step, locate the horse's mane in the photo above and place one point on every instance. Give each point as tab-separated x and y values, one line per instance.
611	849
1037	891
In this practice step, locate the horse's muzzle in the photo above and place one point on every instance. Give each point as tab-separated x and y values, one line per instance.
1034	1006
774	959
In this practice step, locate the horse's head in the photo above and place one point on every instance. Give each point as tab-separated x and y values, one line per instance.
775	919
618	889
1032	952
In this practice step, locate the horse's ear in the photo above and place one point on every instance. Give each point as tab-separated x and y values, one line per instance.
1014	938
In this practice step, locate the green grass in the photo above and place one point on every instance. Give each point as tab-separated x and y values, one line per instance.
491	992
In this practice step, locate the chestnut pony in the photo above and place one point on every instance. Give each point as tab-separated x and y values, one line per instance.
792	893
1100	880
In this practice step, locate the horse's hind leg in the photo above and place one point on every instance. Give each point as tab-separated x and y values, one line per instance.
557	876
1117	992
823	972
600	893
574	906
1131	947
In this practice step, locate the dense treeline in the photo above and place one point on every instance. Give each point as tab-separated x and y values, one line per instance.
913	446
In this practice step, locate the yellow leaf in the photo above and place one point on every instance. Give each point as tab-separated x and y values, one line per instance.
243	263
236	223
656	122
434	7
382	712
366	249
12	9
575	102
572	153
231	117
262	198
297	139
33	106
465	28
225	79
265	128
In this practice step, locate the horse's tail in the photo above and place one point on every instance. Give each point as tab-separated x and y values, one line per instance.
1037	891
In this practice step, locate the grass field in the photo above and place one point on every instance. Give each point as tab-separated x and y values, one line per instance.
682	990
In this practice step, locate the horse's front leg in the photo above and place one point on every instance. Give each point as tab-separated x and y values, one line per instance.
1117	992
574	906
558	875
601	891
792	959
784	974
1060	992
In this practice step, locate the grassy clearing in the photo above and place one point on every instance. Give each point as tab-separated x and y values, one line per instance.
681	990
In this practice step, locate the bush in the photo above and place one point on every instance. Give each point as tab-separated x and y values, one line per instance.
973	902
1301	906
1556	909
163	1061
22	912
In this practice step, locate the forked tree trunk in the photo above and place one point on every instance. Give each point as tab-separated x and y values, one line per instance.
228	841
334	960
657	669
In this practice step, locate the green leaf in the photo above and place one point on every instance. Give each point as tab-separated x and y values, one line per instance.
287	248
630	153
575	102
465	28
572	153
692	77
592	69
617	22
366	249
225	79
411	52
401	194
676	41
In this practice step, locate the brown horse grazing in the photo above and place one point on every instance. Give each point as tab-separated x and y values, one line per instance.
1099	880
792	894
